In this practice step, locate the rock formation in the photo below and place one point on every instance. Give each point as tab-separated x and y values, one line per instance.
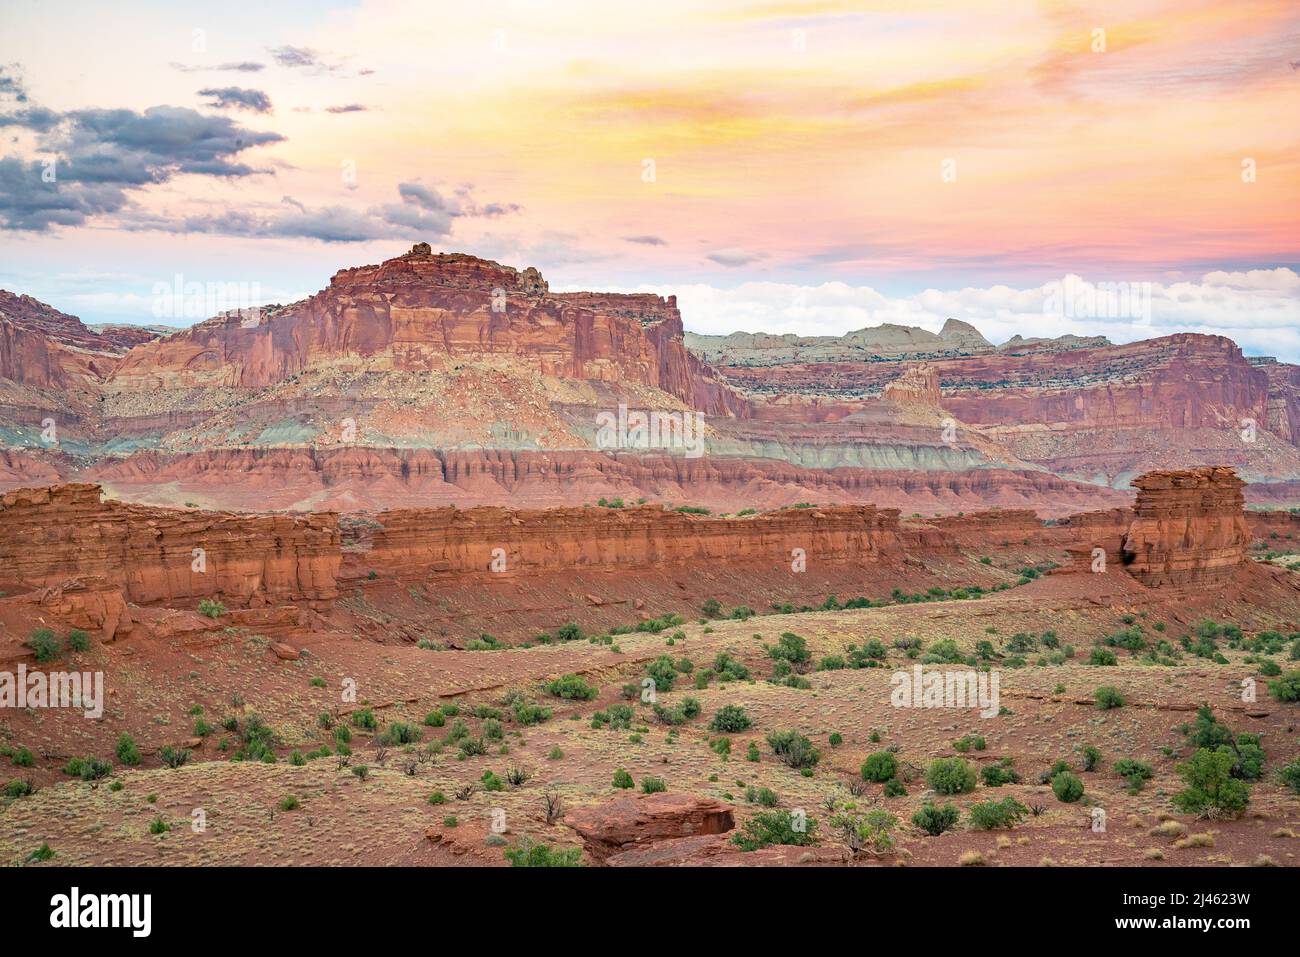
45	348
418	543
1189	527
419	312
917	385
51	535
458	367
645	820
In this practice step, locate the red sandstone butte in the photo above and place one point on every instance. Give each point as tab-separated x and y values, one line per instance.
406	313
1189	527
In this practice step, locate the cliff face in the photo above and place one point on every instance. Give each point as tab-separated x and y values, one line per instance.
416	543
1189	527
51	535
353	479
45	348
416	312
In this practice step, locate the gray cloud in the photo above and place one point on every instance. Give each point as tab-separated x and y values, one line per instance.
733	258
348	108
237	97
28	201
295	56
94	157
645	240
246	66
423	213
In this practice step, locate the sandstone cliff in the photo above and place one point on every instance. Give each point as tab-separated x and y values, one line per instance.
418	311
162	556
417	543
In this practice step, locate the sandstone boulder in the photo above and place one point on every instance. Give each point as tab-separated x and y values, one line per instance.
647	818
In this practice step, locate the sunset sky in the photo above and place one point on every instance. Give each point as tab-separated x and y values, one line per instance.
809	167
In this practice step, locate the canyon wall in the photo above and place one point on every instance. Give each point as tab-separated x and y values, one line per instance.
45	348
50	535
369	479
449	542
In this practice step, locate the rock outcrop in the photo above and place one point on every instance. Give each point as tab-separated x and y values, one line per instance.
419	543
1189	527
644	821
917	385
162	556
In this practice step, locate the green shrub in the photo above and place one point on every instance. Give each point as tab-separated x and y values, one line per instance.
793	749
18	788
1289	775
879	767
730	719
664	673
22	758
528	713
996	775
1135	773
790	648
1067	787
1287	687
531	854
1211	790
1091	757
45	644
1102	656
174	757
400	732
88	769
775	827
950	776
127	752
211	608
653	785
1107	697
435	719
571	687
935	820
997	814
78	640
623	780
364	718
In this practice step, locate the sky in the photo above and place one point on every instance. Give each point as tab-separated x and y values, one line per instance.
801	166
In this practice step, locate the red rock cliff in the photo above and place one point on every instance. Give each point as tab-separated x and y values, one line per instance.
50	535
415	543
414	312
